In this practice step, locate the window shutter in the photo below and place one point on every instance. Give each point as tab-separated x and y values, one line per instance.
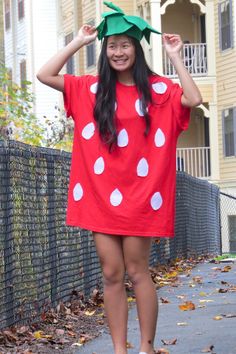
225	24
70	67
21	9
7	14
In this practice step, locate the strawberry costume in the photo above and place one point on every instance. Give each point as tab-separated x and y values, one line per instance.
131	189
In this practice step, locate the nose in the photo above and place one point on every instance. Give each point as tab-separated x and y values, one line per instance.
118	51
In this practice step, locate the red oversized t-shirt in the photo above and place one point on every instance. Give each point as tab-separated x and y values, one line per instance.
131	190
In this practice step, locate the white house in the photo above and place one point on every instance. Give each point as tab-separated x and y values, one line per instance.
31	36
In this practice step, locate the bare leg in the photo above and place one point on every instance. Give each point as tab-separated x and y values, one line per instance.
136	252
109	249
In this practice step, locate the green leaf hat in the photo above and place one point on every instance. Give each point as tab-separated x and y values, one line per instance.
116	22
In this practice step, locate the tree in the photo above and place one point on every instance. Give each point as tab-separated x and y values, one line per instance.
16	118
19	123
59	131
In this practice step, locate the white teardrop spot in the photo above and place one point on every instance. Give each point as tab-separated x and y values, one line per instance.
156	201
94	88
138	108
115	106
88	131
123	138
159	138
159	87
142	168
99	166
116	197
78	192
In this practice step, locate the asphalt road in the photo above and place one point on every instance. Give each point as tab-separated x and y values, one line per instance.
211	326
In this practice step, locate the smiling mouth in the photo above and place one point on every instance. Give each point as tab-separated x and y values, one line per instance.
120	61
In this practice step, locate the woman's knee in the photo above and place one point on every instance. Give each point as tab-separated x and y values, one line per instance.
113	276
137	273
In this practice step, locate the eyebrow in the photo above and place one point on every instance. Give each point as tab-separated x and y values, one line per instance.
125	42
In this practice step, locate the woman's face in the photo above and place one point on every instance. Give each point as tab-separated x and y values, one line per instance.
120	52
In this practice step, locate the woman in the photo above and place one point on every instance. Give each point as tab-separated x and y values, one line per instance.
122	184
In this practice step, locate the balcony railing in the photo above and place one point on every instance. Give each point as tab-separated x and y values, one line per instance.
194	58
194	161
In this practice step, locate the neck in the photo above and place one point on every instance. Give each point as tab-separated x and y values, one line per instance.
125	78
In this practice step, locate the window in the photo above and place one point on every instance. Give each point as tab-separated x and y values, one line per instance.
232	232
229	131
70	67
21	9
90	51
225	25
7	14
23	73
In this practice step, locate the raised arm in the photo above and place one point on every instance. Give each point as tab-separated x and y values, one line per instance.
49	72
191	95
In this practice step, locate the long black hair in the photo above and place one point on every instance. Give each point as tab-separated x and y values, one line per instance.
104	109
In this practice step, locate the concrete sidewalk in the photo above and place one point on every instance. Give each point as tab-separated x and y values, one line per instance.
210	324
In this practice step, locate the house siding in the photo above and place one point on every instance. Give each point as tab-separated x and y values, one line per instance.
226	95
1	33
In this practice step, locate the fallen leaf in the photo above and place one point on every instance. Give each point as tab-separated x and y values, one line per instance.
216	268
217	318
187	306
171	275
169	342
89	313
23	330
129	345
223	290
164	300
10	336
230	315
77	345
38	334
41	335
182	324
71	333
226	269
198	279
60	332
192	285
131	299
162	351
84	338
202	293
208	350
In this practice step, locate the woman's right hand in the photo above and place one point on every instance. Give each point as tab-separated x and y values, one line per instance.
87	34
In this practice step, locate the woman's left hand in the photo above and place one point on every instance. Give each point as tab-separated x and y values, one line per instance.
172	43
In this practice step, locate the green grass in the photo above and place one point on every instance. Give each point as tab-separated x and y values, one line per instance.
225	256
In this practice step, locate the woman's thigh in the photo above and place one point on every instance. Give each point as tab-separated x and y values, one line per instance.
110	252
136	254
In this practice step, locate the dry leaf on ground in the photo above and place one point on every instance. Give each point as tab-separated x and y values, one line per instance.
169	342
208	349
162	351
187	306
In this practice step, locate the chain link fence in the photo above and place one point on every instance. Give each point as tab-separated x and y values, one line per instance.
228	222
42	260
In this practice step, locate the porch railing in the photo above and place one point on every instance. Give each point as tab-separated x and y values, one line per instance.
194	57
195	161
